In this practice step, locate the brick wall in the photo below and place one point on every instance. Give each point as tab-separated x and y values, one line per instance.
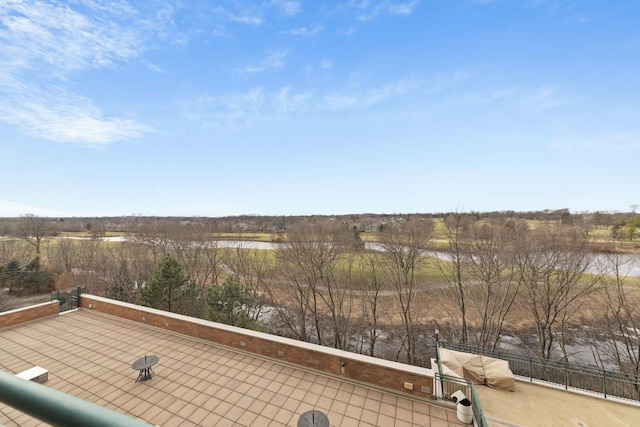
358	367
21	315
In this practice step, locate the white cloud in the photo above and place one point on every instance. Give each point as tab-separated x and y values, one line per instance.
326	64
286	101
287	7
403	8
370	9
539	98
249	13
260	105
247	19
348	32
544	97
306	31
54	34
245	108
64	39
355	98
273	60
152	67
60	115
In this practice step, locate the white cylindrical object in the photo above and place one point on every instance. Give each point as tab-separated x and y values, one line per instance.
465	411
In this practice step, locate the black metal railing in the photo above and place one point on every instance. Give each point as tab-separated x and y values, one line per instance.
68	298
567	375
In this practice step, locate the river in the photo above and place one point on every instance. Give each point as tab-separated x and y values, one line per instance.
629	263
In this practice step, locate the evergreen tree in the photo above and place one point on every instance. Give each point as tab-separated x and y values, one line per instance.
34	276
123	285
233	303
169	289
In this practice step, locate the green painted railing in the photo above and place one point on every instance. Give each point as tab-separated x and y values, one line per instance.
448	385
58	408
451	384
567	375
69	299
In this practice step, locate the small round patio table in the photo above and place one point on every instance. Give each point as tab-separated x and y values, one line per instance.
143	365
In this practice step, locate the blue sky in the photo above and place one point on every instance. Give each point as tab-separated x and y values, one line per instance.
291	107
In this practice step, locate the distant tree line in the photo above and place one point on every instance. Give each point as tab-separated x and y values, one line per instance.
28	224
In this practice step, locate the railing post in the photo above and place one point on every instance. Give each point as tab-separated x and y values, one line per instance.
78	292
566	378
604	383
530	369
437	332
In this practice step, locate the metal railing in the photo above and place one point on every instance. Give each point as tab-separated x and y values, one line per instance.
567	375
447	385
68	298
57	408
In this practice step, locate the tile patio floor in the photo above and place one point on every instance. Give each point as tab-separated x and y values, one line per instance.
196	383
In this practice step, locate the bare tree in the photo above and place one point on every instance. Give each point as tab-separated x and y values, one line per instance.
622	315
14	249
371	279
191	243
64	256
11	276
4	298
33	229
308	261
291	300
554	262
252	267
156	237
496	277
453	269
403	246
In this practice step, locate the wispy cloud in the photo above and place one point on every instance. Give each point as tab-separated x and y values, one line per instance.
247	19
288	8
64	39
245	108
306	31
52	33
356	98
248	14
60	115
325	64
370	9
348	32
402	8
151	67
259	104
542	97
274	59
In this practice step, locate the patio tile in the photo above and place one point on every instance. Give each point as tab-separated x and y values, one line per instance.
195	383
